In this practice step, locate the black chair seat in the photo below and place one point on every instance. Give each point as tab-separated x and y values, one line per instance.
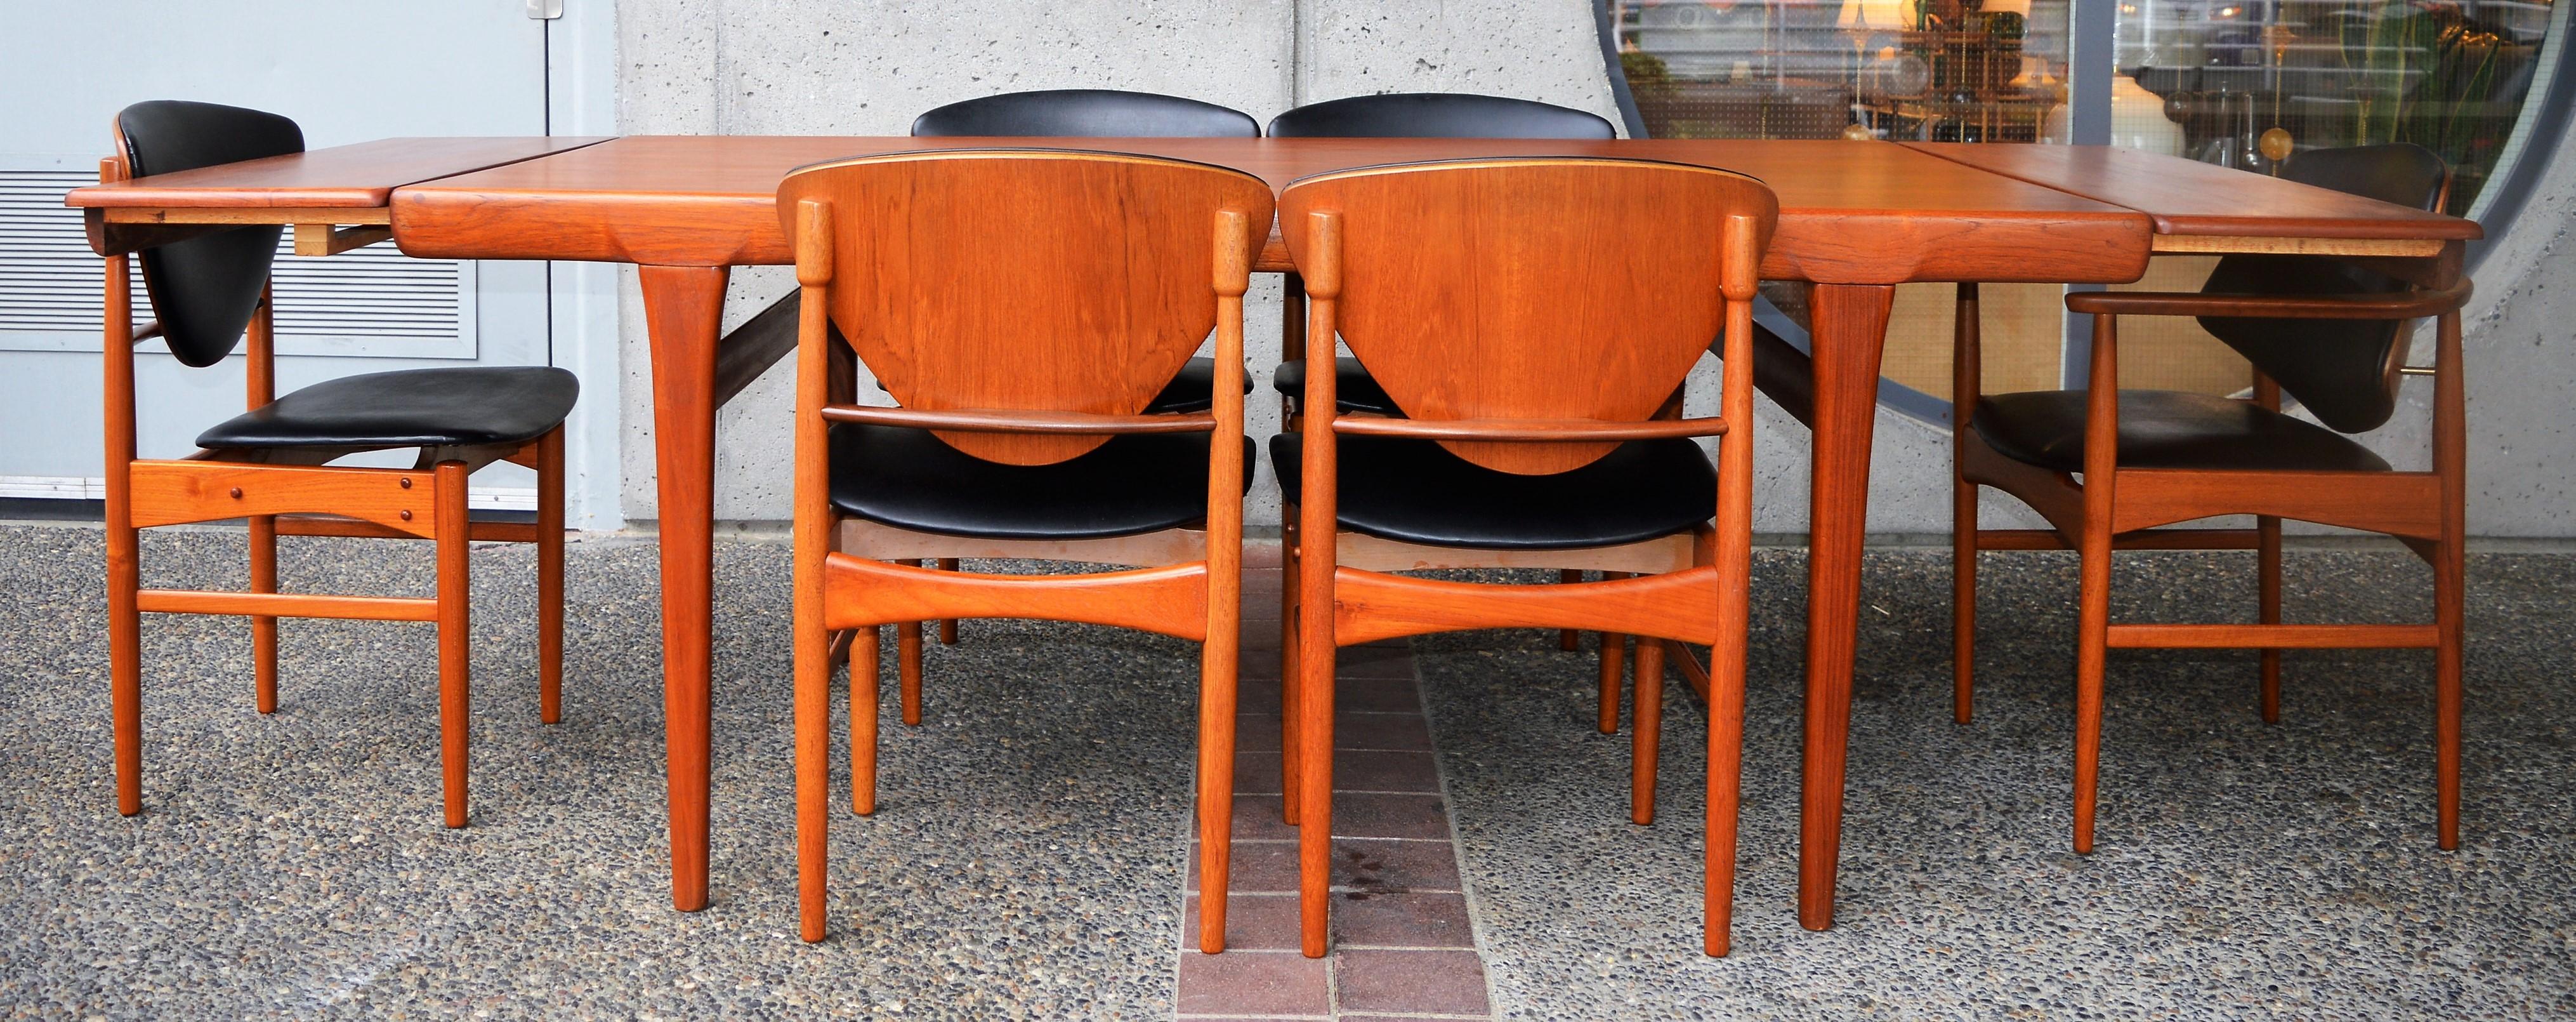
1353	389
2166	429
910	479
1417	492
461	407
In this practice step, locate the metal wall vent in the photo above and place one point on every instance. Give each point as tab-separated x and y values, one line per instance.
372	302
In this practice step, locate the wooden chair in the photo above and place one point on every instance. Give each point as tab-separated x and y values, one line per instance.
210	288
1022	307
2330	333
1429	115
1532	316
1071	113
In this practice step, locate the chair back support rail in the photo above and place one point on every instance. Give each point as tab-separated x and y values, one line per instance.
1024	307
1529	316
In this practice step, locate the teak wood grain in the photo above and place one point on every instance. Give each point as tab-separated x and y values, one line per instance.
361	175
1490	258
942	277
2188	197
1850	212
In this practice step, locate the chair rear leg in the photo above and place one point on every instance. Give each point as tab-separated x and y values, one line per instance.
1614	649
1569	639
550	578
263	629
2267	556
863	720
455	698
948	626
907	655
1963	599
1648	720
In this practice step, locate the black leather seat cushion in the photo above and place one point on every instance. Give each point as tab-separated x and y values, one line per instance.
409	408
910	479
1418	492
2165	429
1438	115
1354	390
1096	113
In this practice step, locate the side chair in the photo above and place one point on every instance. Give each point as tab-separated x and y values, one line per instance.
2108	467
1072	113
271	465
1022	341
1534	317
1429	115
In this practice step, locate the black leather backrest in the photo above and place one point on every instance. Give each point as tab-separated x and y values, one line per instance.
2343	370
205	289
1092	113
1437	115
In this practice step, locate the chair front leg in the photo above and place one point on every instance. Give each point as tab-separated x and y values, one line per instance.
2093	605
455	642
1649	722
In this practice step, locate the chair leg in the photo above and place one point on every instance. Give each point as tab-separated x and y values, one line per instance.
1569	639
1648	719
907	666
550	579
2093	615
455	696
1288	671
1614	648
2449	585
1316	655
1219	664
863	720
948	626
2267	536
1963	599
1725	779
125	658
263	629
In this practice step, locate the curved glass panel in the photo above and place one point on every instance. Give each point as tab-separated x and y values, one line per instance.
2232	82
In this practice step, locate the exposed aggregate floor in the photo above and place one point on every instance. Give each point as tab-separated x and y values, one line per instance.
1023	863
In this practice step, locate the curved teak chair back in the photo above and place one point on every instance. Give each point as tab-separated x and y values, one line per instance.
204	289
1025	280
1529	289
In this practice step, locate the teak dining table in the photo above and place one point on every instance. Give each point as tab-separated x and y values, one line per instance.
1856	219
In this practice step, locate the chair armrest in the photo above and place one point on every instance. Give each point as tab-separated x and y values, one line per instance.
1006	420
2403	305
1529	430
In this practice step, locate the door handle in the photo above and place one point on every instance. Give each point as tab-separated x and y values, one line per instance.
545	10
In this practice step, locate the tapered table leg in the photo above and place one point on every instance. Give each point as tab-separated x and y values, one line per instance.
1849	329
683	311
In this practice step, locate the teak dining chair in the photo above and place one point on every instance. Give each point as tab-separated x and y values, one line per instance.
1533	316
1022	307
1428	115
2328	332
1073	113
210	288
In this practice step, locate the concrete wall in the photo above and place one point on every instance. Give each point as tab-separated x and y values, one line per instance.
788	67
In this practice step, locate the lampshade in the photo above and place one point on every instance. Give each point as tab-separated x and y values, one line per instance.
2020	7
1881	14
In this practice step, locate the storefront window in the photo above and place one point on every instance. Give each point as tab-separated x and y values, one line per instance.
2222	81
